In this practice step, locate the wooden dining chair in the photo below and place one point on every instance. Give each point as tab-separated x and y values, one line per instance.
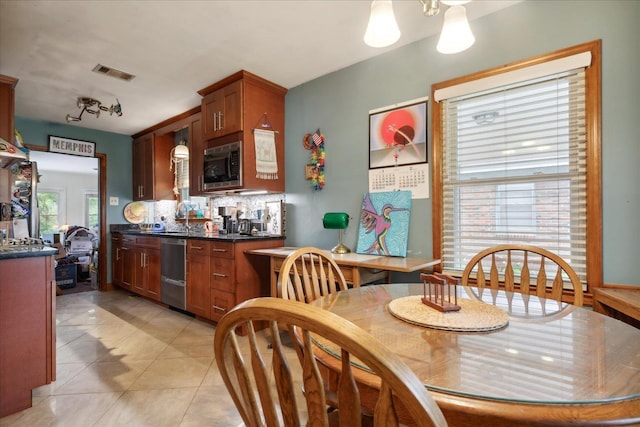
525	269
264	384
309	273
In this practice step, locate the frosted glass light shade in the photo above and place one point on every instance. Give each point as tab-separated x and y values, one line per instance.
181	151
456	34
382	29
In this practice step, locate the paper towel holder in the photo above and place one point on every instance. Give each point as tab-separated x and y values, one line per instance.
339	221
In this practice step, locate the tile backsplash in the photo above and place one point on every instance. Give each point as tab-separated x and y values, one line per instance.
164	211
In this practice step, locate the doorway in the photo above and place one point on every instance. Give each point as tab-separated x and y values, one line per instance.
76	207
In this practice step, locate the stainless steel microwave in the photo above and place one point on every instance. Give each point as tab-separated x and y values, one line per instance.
223	166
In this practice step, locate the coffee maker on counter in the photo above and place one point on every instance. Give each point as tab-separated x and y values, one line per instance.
228	214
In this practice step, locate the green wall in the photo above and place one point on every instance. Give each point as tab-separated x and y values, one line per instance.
339	103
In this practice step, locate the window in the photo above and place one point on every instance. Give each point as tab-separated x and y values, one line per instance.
91	209
49	203
517	160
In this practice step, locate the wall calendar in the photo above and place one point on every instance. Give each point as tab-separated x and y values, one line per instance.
414	178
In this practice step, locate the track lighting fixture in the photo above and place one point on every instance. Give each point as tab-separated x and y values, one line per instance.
93	106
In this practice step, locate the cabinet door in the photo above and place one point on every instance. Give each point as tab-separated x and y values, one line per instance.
138	275
196	155
128	267
232	112
198	284
222	111
152	179
116	261
142	167
151	273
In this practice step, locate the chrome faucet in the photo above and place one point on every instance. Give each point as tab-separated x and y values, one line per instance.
185	206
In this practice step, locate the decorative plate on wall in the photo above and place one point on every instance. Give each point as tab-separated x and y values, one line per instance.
135	212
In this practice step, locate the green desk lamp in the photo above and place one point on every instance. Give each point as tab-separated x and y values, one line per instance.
339	221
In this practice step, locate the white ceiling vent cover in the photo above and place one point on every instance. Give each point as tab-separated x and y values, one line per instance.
103	69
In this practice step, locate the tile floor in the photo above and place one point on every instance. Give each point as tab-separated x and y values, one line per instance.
125	361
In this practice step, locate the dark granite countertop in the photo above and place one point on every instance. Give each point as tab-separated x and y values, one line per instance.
234	237
26	251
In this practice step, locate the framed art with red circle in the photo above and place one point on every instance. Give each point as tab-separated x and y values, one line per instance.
398	134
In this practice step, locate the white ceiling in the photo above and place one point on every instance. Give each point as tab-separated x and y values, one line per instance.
176	48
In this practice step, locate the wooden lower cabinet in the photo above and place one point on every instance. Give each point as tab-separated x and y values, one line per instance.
219	274
27	330
136	264
198	267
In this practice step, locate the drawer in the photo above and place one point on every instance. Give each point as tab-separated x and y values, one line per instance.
150	242
222	275
198	247
222	250
221	303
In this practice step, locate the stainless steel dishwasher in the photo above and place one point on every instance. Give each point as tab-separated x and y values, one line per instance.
173	253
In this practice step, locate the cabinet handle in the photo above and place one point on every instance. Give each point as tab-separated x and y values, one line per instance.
218	308
215	123
219	275
220	124
117	254
219	250
198	248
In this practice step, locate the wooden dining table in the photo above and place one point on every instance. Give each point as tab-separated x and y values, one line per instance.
551	364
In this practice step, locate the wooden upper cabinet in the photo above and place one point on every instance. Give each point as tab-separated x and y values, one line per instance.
7	101
231	109
222	111
152	179
196	155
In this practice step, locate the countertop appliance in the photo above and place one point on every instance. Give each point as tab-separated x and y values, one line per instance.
173	280
222	167
244	226
24	195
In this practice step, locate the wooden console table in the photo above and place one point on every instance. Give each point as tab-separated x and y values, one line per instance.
621	304
357	269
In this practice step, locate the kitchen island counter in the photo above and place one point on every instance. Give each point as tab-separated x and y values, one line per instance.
26	251
27	325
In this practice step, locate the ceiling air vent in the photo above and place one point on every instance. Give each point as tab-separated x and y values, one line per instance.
103	69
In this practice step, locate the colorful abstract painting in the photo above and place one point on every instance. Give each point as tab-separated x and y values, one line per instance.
384	223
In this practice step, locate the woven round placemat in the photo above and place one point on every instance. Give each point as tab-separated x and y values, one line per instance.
474	316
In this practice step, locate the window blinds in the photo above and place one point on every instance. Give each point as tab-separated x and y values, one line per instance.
514	169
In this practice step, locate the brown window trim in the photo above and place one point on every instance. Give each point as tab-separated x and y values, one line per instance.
594	161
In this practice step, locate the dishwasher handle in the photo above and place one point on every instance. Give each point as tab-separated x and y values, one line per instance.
165	279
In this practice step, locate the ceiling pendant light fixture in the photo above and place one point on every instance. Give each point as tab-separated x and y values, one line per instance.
456	34
382	29
181	151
